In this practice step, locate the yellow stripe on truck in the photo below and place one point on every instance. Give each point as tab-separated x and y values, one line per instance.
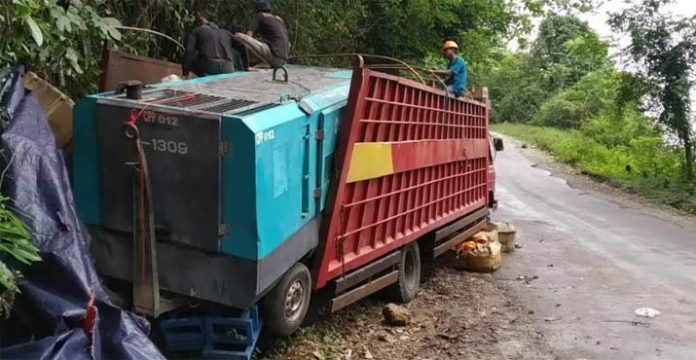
369	161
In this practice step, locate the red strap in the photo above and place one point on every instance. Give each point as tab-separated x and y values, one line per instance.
90	315
135	115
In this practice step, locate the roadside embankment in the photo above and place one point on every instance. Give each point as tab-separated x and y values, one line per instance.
644	166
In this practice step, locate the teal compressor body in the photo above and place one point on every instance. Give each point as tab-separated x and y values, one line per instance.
239	167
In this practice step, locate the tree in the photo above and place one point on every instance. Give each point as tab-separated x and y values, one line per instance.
62	41
515	87
554	32
570	108
566	50
664	48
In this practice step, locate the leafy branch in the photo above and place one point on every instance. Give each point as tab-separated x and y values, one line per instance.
16	244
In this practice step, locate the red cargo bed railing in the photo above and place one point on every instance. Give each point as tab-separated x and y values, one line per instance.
410	159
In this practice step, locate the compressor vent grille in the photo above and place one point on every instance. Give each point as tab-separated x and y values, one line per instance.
328	167
192	101
229	105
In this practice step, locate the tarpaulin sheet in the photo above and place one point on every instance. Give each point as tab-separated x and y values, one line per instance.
48	317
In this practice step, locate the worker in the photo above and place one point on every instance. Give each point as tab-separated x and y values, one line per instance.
456	74
211	50
273	46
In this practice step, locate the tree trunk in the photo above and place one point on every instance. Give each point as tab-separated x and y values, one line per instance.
689	155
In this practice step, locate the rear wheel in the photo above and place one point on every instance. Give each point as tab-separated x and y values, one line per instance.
285	307
407	287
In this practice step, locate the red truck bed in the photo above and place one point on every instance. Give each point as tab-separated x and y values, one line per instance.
410	159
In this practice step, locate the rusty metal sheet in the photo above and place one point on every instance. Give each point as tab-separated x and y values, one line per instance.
118	66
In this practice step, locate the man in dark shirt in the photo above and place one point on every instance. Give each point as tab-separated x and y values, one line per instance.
211	50
274	45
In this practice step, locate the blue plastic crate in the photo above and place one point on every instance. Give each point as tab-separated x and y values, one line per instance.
233	338
216	337
184	334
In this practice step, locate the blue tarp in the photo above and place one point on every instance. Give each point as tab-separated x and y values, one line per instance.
47	320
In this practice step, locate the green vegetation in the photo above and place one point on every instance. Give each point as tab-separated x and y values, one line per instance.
61	42
563	80
15	246
570	107
62	39
642	165
664	47
632	129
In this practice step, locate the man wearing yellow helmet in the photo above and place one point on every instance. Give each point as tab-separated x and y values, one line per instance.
456	73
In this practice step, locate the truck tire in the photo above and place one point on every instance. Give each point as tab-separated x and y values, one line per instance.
285	307
409	269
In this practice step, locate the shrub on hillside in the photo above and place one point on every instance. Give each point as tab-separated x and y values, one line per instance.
644	163
569	108
650	159
614	128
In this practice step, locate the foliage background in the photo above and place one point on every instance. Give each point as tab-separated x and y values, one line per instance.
62	39
564	79
566	95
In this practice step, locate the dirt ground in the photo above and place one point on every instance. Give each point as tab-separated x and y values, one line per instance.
456	315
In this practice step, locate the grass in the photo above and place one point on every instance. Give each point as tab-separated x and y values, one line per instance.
314	342
643	166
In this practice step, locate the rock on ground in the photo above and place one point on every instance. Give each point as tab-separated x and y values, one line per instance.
395	315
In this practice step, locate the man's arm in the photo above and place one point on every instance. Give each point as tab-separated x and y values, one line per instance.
242	51
190	54
442	73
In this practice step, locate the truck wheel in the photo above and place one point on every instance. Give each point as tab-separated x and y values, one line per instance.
409	274
285	307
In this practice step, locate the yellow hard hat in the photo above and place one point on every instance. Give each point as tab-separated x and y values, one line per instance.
449	44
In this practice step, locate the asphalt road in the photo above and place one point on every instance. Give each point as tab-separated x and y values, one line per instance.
597	260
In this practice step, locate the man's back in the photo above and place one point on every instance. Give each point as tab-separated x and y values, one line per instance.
271	29
212	42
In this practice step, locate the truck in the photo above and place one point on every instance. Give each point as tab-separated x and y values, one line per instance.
228	201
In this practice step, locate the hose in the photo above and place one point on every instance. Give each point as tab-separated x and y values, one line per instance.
121	27
407	66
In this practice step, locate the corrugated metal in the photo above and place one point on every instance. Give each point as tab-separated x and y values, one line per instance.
410	160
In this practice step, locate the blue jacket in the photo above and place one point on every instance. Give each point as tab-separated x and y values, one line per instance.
459	78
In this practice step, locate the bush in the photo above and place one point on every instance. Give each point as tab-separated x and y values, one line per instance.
614	128
592	95
651	160
15	246
643	163
61	42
